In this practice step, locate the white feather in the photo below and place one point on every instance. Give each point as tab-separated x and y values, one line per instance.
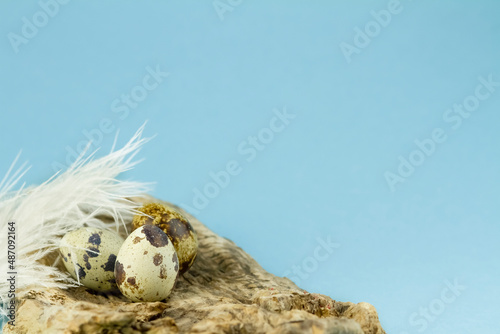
67	201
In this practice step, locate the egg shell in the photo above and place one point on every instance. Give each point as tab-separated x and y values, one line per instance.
177	228
147	265
89	254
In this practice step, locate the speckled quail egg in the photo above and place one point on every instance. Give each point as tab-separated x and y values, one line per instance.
89	254
146	266
177	228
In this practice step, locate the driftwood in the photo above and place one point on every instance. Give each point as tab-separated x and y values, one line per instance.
226	291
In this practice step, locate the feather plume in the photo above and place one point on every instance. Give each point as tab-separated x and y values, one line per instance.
69	200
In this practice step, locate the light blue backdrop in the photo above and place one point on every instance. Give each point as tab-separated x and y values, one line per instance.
374	188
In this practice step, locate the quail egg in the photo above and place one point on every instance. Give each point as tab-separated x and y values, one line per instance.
89	254
146	266
177	228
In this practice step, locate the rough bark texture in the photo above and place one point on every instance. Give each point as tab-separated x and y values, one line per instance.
226	291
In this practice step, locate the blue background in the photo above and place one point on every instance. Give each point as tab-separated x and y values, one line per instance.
323	176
